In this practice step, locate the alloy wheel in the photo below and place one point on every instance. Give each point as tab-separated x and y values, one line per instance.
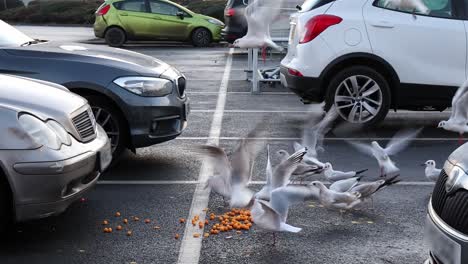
358	99
203	37
109	124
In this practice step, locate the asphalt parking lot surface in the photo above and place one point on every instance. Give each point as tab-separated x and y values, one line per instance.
160	182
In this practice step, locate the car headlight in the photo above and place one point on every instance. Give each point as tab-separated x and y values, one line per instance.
61	133
39	131
145	86
215	22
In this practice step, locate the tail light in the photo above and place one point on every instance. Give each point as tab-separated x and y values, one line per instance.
295	73
318	24
230	12
103	10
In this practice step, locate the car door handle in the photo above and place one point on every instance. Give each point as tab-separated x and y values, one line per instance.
382	24
123	14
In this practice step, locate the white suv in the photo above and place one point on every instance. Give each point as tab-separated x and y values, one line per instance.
367	57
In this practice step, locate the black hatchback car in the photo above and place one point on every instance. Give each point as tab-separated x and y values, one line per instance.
446	231
137	99
234	19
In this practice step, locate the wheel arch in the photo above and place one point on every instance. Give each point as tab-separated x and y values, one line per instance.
10	190
126	33
203	27
87	91
364	59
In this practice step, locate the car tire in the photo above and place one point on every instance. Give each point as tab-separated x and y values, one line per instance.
201	37
6	210
115	37
361	95
111	119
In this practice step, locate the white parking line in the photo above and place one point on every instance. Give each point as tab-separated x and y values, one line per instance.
191	247
247	93
326	139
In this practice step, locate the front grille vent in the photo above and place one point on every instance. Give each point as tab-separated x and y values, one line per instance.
453	208
85	125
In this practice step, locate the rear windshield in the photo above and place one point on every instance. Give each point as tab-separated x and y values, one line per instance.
312	4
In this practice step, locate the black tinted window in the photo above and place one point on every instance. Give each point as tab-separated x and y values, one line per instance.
312	4
434	8
131	5
162	8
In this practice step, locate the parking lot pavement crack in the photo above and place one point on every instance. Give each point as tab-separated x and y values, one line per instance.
191	246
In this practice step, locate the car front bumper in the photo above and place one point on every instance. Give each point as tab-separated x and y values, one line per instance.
45	182
446	245
308	88
153	120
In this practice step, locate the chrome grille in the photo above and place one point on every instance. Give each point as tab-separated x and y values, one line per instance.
453	208
85	125
181	83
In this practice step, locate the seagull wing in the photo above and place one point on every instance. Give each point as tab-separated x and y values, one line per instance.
401	140
283	197
282	172
265	217
344	185
217	159
361	147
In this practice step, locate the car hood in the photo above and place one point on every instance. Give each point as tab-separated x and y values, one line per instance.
459	157
106	56
38	98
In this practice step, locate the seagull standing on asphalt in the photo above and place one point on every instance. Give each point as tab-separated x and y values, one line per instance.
345	185
397	144
233	175
459	117
280	175
272	215
336	200
260	14
416	5
367	190
335	175
431	171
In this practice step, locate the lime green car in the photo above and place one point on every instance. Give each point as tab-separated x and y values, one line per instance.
118	21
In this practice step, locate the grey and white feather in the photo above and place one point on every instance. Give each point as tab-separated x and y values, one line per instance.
336	175
431	171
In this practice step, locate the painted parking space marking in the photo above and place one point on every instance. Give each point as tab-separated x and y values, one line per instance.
190	248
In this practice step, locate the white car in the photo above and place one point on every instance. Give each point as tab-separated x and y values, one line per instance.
367	56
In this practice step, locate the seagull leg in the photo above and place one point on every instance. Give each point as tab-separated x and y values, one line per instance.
264	54
461	139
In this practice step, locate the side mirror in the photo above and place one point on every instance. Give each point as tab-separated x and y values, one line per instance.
180	15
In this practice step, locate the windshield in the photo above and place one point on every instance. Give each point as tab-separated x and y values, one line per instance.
11	37
311	4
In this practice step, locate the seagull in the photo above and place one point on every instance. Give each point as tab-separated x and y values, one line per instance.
313	134
233	174
260	14
416	5
345	185
272	215
367	190
335	175
283	197
399	142
431	171
336	200
459	117
279	176
303	170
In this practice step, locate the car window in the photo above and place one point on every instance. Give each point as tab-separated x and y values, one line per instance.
434	8
312	4
162	8
131	5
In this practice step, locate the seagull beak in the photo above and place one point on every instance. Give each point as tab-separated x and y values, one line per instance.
422	164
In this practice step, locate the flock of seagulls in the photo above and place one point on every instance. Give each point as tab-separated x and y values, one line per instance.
270	206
